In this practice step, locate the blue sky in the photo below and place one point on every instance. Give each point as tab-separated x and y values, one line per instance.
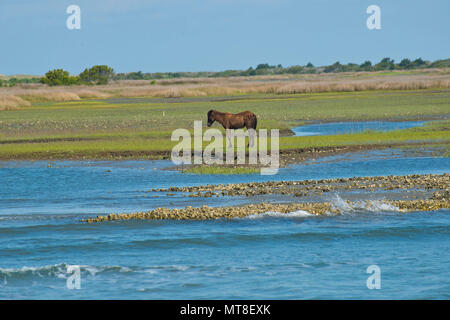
214	35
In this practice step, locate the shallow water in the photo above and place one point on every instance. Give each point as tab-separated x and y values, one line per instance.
333	128
297	256
98	187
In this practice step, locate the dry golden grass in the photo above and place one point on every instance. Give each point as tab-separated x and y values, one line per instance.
178	92
8	102
92	94
305	87
49	96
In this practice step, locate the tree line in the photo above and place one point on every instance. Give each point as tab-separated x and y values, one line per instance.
102	74
267	69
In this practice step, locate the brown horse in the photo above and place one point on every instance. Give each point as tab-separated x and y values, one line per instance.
234	121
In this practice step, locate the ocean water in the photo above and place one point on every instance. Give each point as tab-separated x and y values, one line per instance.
332	128
272	256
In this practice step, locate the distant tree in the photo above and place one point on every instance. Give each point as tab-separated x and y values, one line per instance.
294	70
135	75
405	64
99	74
336	67
250	72
60	77
350	67
174	75
440	64
12	81
385	64
366	66
264	66
158	75
418	63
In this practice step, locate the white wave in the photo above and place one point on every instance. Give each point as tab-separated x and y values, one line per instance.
375	206
150	271
344	206
58	270
170	268
275	214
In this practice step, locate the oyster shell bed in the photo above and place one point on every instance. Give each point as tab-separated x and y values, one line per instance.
314	208
436	185
314	187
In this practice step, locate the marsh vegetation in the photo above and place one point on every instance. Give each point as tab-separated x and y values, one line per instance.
134	119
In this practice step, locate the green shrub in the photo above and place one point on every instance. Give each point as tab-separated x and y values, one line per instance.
97	74
60	77
385	64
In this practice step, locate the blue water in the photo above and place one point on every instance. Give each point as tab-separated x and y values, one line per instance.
333	128
294	257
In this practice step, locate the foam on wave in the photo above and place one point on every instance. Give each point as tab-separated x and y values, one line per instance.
274	214
338	205
374	206
56	270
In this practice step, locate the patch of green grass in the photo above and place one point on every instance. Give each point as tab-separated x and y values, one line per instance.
365	138
102	128
137	147
273	111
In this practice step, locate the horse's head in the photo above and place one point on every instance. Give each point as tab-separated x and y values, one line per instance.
211	118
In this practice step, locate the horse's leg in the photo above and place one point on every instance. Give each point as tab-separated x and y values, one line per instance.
251	137
230	144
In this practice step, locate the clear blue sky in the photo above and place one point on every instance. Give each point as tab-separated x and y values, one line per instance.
214	35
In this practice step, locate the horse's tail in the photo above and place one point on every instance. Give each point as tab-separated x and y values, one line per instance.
255	122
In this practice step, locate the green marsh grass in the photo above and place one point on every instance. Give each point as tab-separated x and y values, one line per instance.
95	128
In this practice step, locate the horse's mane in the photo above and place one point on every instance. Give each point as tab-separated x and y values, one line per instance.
215	111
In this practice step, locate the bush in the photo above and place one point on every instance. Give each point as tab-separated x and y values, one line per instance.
405	64
385	64
440	64
294	70
60	77
418	63
97	74
366	66
336	67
